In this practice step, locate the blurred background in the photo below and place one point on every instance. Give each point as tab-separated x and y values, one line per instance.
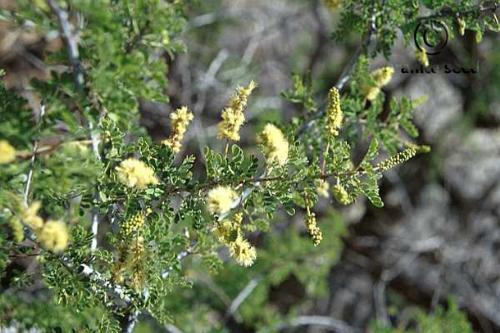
438	235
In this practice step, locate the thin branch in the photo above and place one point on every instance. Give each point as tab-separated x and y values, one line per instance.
242	296
331	323
449	13
33	158
128	321
172	328
180	256
71	41
116	290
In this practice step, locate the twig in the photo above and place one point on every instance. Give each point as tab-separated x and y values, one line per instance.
71	42
33	158
449	13
115	290
172	328
242	296
180	256
95	211
128	321
334	324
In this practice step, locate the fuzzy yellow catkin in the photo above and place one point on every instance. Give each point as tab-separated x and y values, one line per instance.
135	173
179	121
340	194
220	199
322	188
7	152
30	218
381	77
421	57
334	115
461	26
397	159
53	236
242	251
313	229
274	145
233	116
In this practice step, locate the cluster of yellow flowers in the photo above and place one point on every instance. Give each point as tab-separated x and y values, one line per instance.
52	235
334	115
322	188
7	152
232	116
179	120
382	77
312	228
397	159
228	229
274	145
135	173
134	224
341	195
220	199
229	233
242	251
30	216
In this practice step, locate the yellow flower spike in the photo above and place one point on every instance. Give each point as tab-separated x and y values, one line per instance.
322	188
137	250
341	195
422	58
382	77
7	152
397	159
461	26
274	145
334	115
134	224
242	252
233	116
313	229
30	218
372	93
53	236
179	121
135	173
220	199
